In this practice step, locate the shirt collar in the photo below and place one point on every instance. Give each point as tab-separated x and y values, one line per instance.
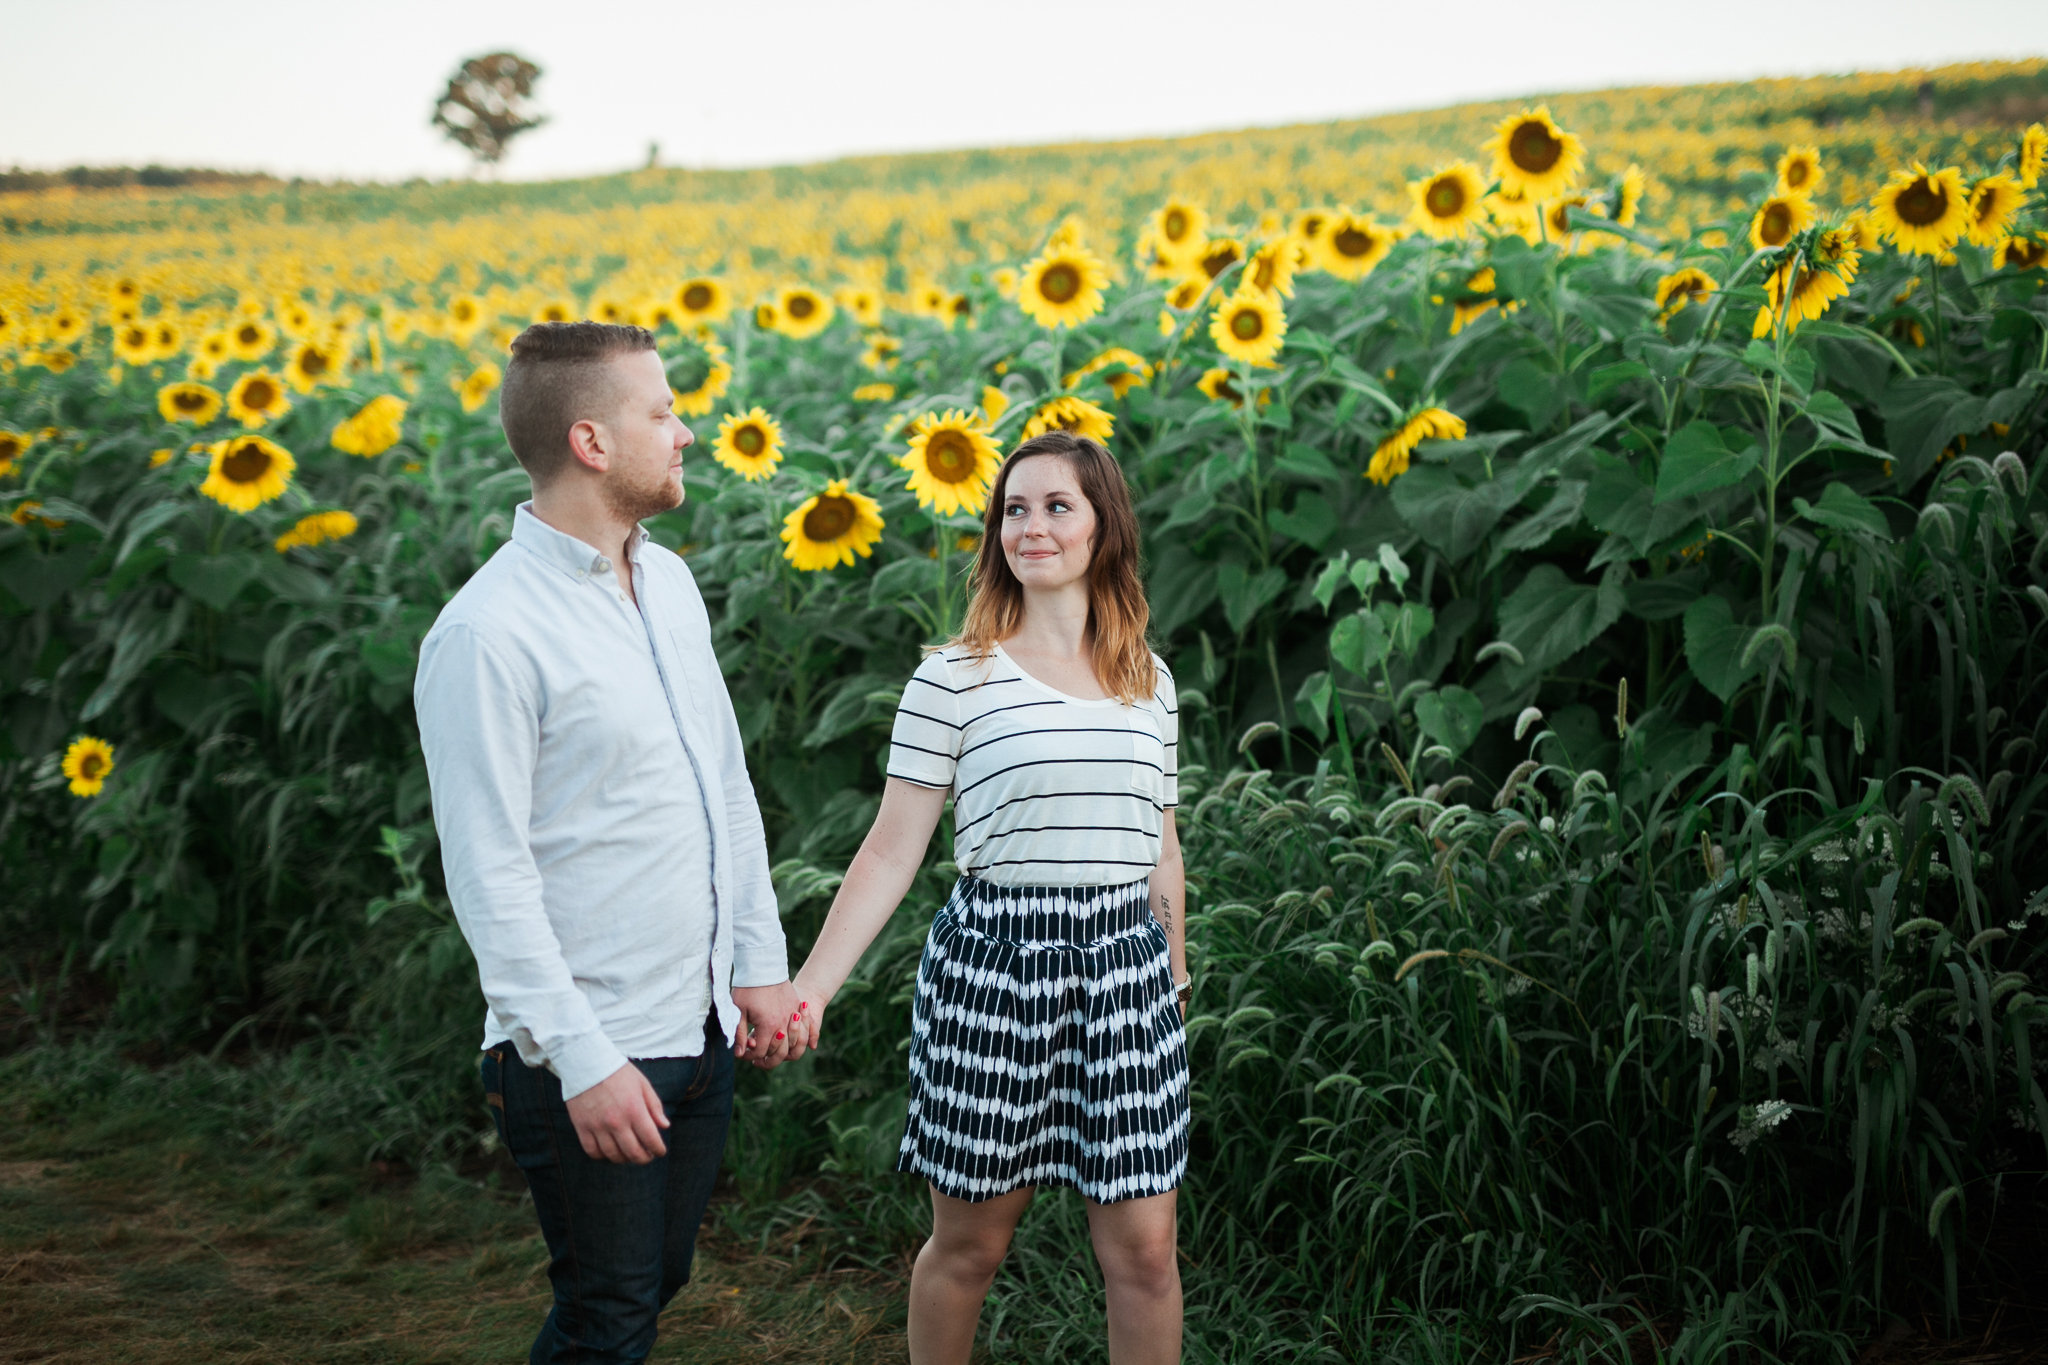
572	556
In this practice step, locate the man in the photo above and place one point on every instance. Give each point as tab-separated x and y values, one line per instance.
603	849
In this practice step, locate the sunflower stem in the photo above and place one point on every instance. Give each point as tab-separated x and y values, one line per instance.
1940	334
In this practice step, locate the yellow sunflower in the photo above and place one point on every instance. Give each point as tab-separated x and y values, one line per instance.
1532	156
864	303
2018	252
699	401
1865	229
1272	267
13	445
1922	212
294	317
314	363
166	338
994	403
216	349
881	352
1994	201
1249	326
465	316
1062	289
374	429
874	393
1186	294
1391	459
703	300
952	463
134	344
805	312
1628	196
1800	172
194	403
56	360
1681	287
1131	371
1557	216
476	390
1220	386
316	529
1307	229
2033	157
88	763
1217	255
66	326
831	528
1447	203
252	339
749	444
1351	245
258	397
1804	297
1178	228
1005	281
1780	218
556	310
247	471
768	317
1075	415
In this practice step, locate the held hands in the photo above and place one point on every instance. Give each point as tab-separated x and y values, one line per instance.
774	1026
620	1118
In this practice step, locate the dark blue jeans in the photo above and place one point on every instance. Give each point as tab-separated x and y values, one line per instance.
619	1236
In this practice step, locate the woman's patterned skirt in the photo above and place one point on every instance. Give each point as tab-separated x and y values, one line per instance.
1046	1046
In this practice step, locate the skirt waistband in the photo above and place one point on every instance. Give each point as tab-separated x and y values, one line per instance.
1077	915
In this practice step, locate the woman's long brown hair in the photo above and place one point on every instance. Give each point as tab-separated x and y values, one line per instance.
1117	611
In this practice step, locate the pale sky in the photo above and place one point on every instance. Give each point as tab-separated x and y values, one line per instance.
345	90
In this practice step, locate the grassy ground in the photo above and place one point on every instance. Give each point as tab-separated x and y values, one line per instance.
117	1247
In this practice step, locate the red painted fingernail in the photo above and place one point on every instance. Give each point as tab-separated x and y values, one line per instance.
802	1006
778	1035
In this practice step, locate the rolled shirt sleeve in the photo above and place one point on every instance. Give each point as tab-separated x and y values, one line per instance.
480	730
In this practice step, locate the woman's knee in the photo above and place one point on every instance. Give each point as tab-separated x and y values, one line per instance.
1147	1264
969	1254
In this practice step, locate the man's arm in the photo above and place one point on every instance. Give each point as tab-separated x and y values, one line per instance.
480	732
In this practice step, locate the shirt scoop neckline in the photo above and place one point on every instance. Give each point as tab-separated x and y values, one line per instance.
1048	688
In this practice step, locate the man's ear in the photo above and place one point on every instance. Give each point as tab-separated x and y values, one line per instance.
589	443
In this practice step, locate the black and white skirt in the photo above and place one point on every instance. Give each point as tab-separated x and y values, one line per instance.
1046	1046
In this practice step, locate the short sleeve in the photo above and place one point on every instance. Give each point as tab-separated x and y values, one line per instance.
925	746
1167	700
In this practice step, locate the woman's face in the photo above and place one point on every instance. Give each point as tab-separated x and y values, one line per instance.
1048	527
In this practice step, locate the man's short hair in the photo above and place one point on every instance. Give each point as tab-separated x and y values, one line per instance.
555	379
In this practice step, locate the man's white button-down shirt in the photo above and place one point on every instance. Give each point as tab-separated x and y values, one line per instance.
602	844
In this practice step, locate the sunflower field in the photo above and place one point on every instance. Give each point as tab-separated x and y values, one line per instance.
1604	579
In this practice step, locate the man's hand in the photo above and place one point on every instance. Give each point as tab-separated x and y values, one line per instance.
620	1118
773	1028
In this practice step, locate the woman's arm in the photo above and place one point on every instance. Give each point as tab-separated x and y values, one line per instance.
1169	900
881	873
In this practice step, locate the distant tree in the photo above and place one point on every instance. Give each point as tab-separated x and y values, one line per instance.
488	103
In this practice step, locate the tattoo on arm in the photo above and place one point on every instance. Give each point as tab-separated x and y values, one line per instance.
1166	912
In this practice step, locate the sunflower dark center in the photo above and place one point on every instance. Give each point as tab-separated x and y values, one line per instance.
1446	198
750	440
802	306
1264	272
1797	174
1312	226
1061	283
1533	149
249	334
313	362
91	766
832	518
463	312
950	456
259	394
246	463
1247	324
1219	260
137	337
1351	242
1227	390
2023	254
697	297
9	448
188	400
1920	203
1777	224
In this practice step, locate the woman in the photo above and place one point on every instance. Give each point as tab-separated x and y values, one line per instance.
1046	1045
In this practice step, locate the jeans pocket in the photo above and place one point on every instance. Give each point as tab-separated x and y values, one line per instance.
491	1071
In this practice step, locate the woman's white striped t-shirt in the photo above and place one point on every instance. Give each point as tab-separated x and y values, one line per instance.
1048	789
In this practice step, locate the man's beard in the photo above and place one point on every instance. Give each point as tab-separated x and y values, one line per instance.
639	501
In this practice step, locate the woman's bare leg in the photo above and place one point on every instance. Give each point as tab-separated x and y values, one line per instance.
1136	1246
954	1270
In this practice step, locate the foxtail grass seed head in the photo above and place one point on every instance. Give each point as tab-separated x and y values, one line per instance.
1770	954
1621	710
1530	715
1400	768
1713	1020
1856	734
2012	472
1754	967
